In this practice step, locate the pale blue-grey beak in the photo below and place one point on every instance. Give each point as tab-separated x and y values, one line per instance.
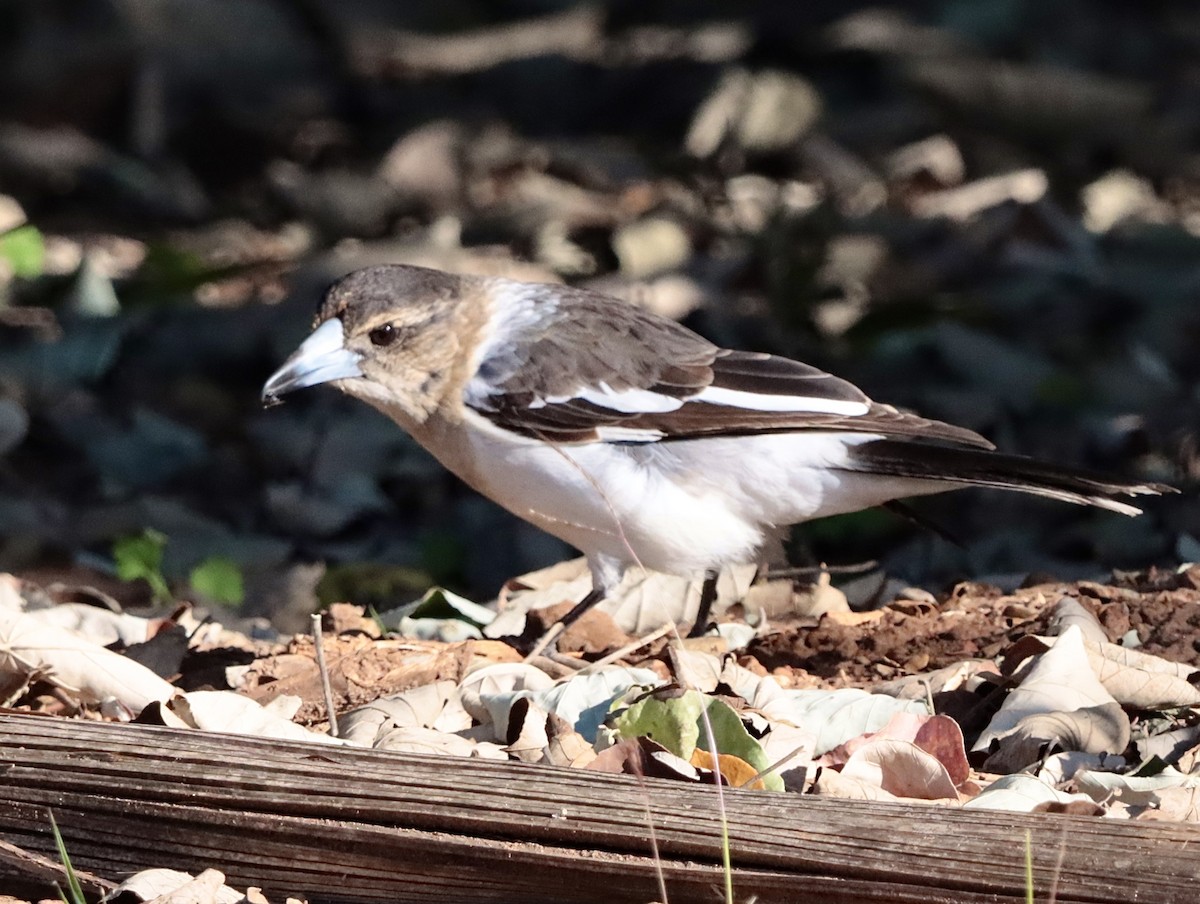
322	357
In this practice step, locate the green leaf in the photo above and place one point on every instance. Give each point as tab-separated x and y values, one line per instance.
25	250
677	723
141	556
673	722
219	579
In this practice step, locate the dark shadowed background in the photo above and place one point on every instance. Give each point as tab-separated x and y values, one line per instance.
987	211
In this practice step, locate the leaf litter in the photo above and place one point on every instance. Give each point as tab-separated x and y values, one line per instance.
1049	719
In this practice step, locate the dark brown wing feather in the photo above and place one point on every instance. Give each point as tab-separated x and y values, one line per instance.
698	420
585	340
978	467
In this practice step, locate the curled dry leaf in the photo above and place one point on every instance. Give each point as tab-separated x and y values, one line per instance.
1068	612
1091	729
526	735
1020	793
938	736
901	768
31	649
499	678
583	700
435	706
169	886
834	784
1059	681
644	600
232	713
566	746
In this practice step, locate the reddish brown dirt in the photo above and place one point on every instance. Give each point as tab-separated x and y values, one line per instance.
979	621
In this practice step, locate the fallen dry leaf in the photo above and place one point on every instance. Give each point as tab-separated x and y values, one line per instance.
526	737
232	713
1060	680
168	886
437	706
902	769
831	783
566	746
32	649
734	770
1091	729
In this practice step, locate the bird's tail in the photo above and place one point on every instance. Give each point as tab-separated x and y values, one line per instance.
980	467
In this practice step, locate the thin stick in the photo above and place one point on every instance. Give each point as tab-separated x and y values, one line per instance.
775	766
319	643
800	571
629	648
548	638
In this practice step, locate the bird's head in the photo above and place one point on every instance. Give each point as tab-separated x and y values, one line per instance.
391	336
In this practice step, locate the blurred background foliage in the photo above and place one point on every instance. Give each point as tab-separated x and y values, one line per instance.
987	210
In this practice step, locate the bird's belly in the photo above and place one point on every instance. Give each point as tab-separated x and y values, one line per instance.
607	500
678	507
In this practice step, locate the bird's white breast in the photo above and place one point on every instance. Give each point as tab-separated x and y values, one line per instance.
678	507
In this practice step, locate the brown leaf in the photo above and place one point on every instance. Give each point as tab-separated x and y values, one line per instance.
566	746
734	770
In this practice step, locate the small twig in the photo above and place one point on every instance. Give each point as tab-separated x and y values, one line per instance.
774	767
548	638
319	643
553	664
802	571
629	648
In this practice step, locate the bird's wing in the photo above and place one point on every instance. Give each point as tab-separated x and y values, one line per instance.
593	369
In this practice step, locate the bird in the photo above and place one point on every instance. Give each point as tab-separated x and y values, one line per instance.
628	435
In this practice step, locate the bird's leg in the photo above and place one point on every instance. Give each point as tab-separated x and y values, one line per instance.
708	596
594	597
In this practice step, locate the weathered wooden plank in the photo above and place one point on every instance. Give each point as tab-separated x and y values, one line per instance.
345	825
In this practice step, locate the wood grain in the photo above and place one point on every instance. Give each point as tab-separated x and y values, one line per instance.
351	825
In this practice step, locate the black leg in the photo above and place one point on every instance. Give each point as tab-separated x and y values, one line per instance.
549	640
594	597
708	596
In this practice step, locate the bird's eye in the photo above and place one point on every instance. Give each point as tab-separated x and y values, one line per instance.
383	335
